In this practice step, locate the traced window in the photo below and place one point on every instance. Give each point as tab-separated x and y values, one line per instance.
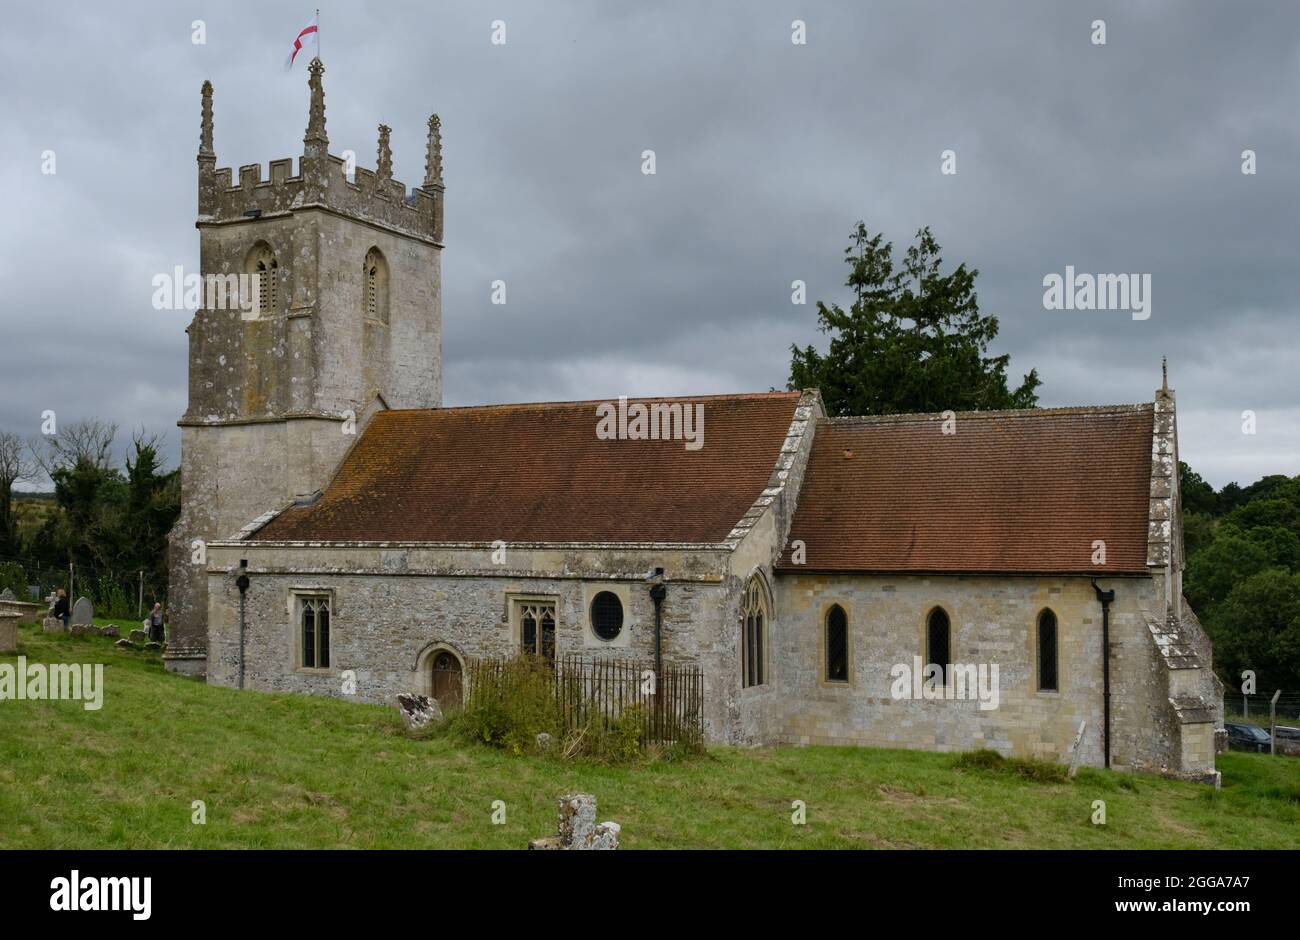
536	627
607	615
265	271
837	645
375	293
938	642
314	624
754	618
1047	679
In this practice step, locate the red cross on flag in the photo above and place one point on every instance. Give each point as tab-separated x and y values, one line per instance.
306	37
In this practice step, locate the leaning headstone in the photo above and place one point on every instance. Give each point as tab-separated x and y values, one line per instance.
138	636
110	630
82	611
8	632
151	645
7	595
578	830
418	710
543	741
124	644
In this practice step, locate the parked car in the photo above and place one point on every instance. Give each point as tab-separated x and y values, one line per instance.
1288	740
1242	737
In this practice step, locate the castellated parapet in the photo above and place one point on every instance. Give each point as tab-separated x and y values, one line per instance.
321	182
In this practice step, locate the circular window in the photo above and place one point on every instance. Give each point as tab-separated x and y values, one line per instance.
606	615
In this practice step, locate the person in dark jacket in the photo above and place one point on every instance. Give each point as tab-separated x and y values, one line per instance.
61	607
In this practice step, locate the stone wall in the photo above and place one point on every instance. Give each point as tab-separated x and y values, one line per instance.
392	606
994	620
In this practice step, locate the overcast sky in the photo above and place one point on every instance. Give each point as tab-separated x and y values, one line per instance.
1117	158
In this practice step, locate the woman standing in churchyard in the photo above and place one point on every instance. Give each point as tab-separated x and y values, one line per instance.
61	606
155	621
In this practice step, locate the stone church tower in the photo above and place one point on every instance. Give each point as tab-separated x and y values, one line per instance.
340	314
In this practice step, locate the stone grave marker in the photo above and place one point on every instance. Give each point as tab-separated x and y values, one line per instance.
82	611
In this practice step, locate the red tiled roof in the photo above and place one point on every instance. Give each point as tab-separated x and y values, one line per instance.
538	473
1011	491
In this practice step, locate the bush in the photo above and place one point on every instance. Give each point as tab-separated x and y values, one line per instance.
987	761
510	702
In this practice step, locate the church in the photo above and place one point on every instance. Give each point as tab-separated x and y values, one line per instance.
342	533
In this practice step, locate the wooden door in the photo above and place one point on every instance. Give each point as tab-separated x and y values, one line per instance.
446	678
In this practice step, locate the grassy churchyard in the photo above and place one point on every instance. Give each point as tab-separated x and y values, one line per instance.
288	771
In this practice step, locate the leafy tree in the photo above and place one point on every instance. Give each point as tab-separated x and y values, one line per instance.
1213	571
1258	627
912	341
1198	496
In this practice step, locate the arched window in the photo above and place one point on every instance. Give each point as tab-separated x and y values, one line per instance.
314	619
938	641
753	622
264	271
837	645
1047	655
375	290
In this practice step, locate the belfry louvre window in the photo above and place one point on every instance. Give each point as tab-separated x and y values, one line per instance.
938	642
1047	678
375	290
837	645
754	617
266	273
537	627
314	621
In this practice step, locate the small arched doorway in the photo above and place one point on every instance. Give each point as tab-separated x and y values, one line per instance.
446	683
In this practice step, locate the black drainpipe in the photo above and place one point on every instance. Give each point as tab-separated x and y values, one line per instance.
657	594
1105	597
242	583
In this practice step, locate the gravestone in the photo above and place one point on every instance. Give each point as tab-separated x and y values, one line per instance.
83	612
110	630
418	710
7	595
139	636
578	830
8	631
